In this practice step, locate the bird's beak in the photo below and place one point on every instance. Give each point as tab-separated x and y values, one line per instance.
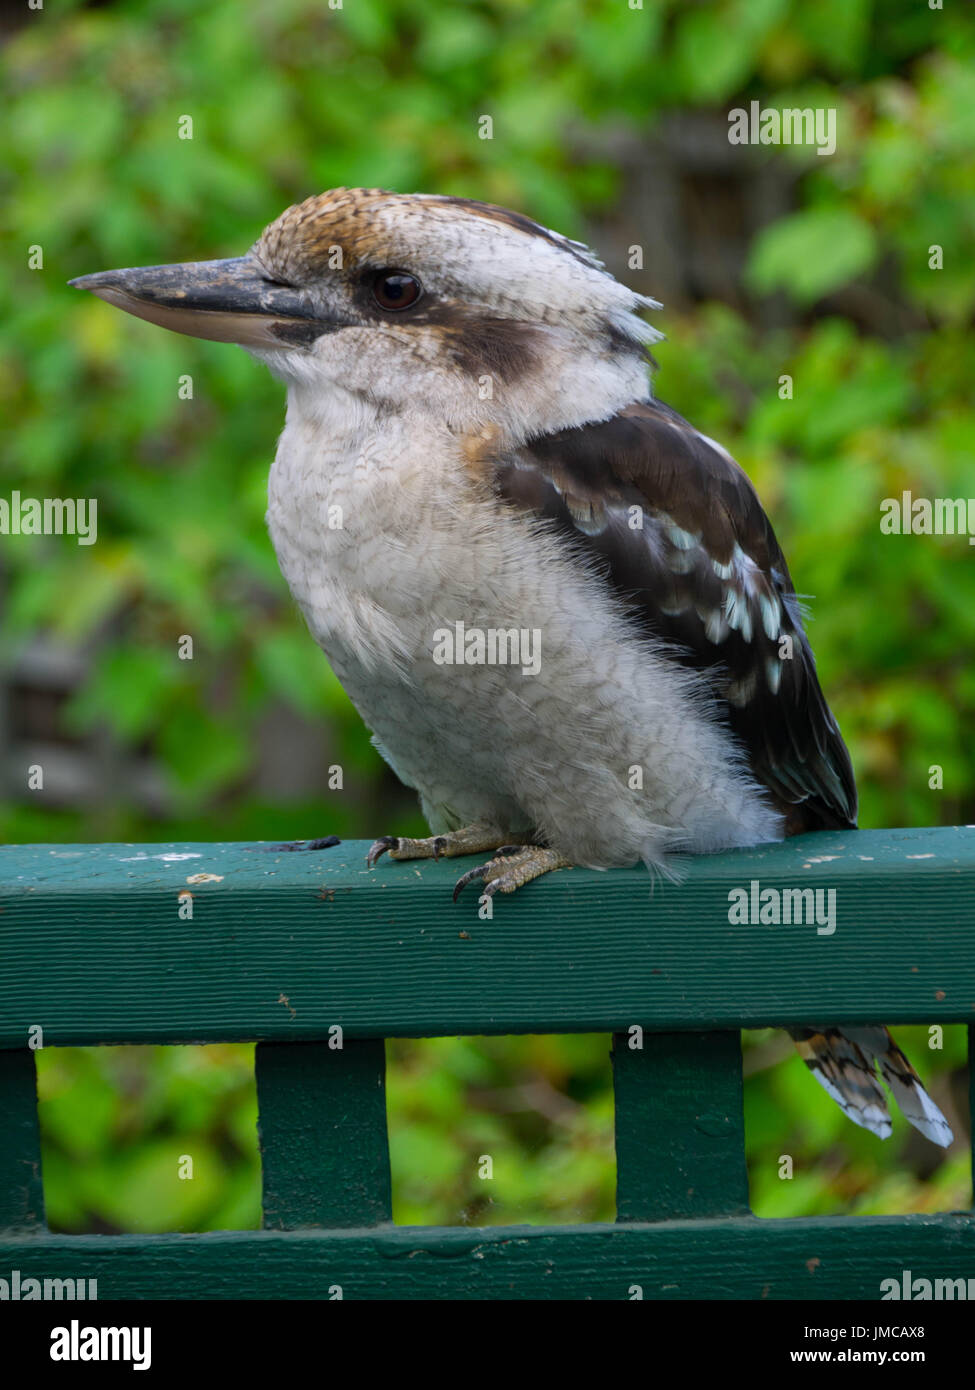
228	301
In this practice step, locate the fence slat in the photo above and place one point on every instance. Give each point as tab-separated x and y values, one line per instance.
839	1257
680	1130
21	1191
971	1101
92	943
322	1129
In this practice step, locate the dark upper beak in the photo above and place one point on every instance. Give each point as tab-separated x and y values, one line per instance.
229	301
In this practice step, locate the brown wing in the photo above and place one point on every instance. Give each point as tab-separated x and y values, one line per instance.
685	542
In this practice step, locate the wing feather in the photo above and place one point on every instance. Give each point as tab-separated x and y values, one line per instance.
684	541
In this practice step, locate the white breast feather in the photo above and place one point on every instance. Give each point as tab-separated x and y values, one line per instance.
561	752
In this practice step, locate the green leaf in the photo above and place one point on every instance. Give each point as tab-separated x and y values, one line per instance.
811	253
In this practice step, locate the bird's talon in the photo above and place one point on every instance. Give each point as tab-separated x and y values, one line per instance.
379	848
467	878
471	839
510	867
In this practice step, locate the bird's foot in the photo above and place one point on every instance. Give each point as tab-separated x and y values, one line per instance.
473	839
512	866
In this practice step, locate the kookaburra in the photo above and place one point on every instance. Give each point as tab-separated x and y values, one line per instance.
560	609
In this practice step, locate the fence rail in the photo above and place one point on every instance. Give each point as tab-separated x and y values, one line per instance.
97	945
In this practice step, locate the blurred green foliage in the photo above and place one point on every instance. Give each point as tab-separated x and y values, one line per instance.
119	1123
289	97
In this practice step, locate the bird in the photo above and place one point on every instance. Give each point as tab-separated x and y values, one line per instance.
560	609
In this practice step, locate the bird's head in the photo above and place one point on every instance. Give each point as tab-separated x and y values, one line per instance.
414	302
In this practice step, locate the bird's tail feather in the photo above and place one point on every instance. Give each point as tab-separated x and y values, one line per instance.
845	1061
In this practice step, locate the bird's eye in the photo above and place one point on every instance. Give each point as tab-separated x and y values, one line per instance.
395	289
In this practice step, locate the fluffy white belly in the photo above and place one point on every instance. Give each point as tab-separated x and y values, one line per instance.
608	750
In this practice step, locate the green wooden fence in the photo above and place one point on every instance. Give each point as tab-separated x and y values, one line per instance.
283	947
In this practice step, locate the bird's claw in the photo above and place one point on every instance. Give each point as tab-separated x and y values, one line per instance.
467	878
398	847
498	882
507	869
379	847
